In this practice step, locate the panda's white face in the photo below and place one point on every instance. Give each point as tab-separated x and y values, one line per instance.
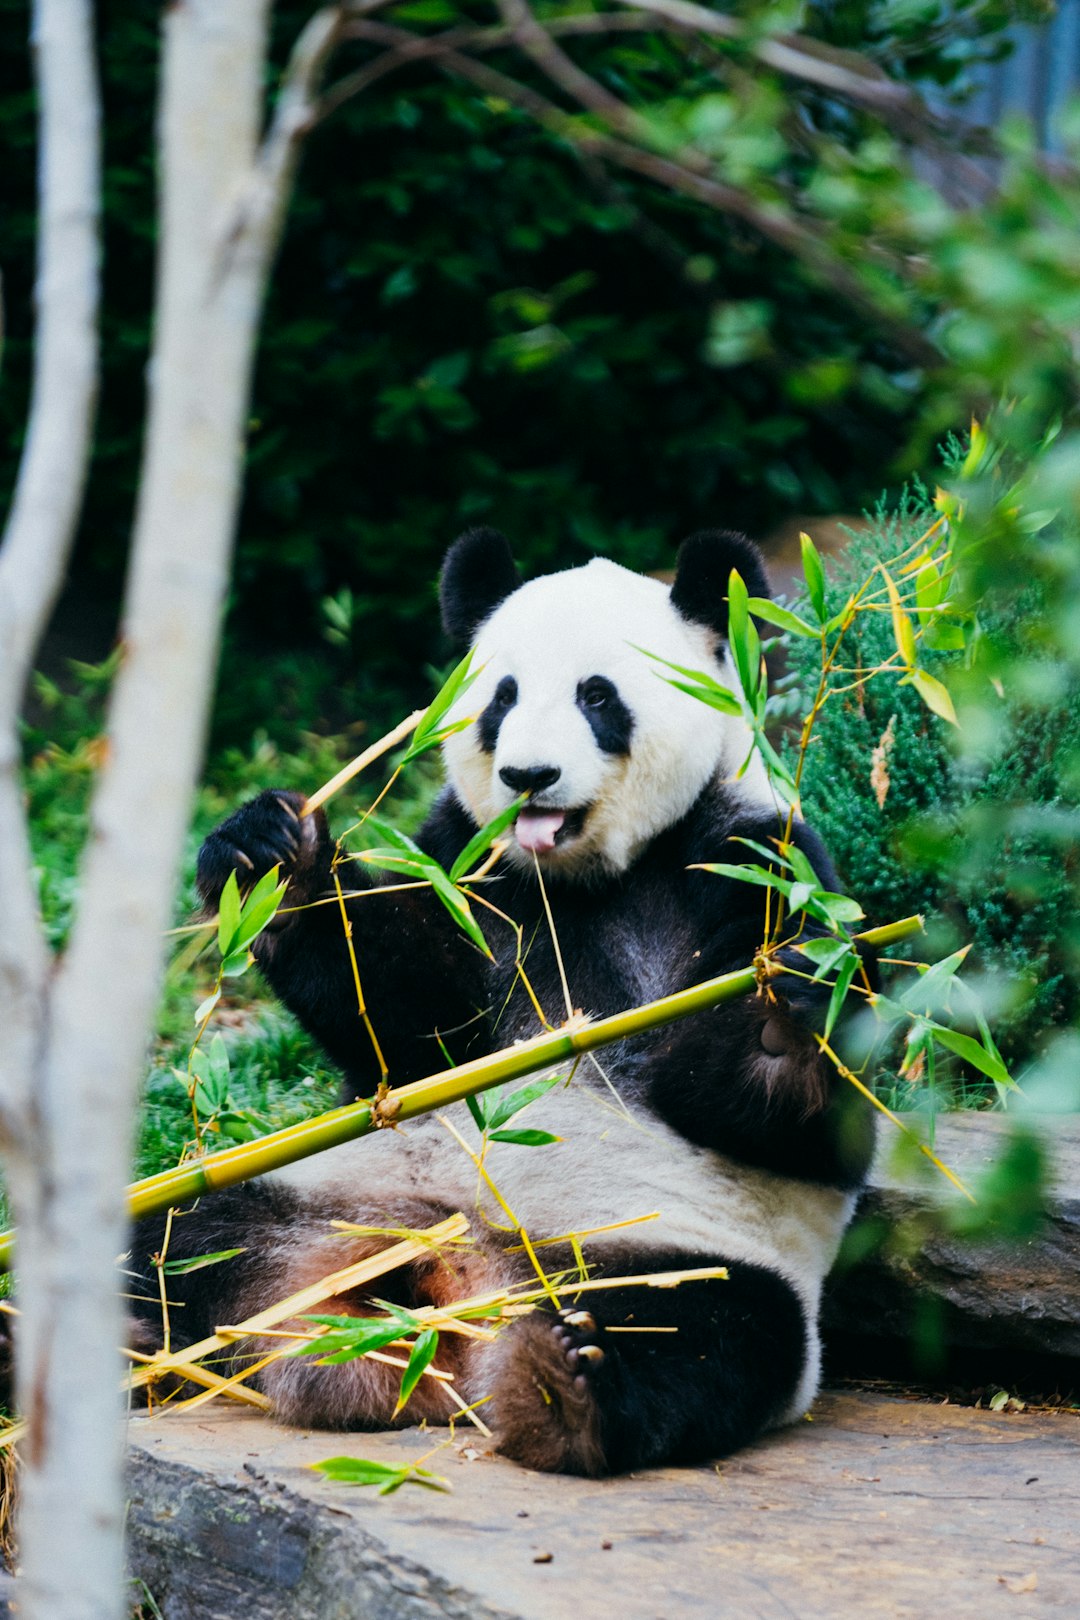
570	711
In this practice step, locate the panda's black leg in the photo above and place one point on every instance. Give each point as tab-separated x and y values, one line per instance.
643	1376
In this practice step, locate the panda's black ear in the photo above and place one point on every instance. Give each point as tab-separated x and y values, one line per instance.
478	573
702	572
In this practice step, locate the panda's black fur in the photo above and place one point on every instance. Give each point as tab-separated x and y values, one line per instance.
729	1125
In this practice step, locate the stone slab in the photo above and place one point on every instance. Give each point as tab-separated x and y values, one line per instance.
1001	1296
878	1507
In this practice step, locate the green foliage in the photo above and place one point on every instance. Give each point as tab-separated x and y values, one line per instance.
265	1074
492	336
970	828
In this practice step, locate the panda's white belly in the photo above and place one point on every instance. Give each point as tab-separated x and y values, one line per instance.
612	1164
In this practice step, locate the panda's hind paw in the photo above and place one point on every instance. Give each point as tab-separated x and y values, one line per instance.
549	1392
577	1336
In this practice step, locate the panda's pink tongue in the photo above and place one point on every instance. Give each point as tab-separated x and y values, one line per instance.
536	829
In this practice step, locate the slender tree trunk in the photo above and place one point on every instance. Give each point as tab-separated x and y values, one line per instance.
72	1071
33	557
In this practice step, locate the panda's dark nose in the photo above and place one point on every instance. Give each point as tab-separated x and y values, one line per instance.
534	779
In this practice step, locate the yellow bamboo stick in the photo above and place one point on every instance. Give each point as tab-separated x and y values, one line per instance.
246	1160
374	751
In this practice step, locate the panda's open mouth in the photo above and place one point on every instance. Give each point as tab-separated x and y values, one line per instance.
539	830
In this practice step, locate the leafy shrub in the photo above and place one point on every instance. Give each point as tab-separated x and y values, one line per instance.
964	827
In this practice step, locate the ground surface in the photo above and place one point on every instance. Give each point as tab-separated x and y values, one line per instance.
878	1507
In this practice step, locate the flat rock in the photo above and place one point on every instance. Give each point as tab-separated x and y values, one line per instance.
993	1295
877	1507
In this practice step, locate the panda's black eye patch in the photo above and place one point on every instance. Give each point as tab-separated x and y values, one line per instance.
506	695
611	721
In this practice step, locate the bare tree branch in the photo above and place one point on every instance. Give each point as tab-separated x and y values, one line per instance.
688	173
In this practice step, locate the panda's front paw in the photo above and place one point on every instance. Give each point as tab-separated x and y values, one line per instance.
266	832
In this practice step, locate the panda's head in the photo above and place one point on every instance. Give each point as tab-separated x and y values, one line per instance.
571	711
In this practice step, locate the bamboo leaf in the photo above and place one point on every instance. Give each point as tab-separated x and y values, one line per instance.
762	608
180	1268
476	1109
814	574
420	1357
205	1008
267	885
396	840
942	636
773	855
427	733
696	683
801	865
715	695
825	953
348	1344
525	1138
359	1471
259	909
743	638
236	962
799	894
903	634
749	874
459	908
839	908
967	1047
934	695
929	591
228	915
506	1107
482	841
218	1065
931	987
840	989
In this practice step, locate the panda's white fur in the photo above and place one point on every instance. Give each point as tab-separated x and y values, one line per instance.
721	1138
554	633
615	1161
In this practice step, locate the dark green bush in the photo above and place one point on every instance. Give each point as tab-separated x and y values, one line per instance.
970	832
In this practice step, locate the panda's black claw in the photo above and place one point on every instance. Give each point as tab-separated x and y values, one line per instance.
267	832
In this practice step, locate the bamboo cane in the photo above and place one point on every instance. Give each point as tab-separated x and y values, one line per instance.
198	1177
404	729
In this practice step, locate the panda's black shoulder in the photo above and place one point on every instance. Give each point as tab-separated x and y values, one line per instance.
447	829
716	825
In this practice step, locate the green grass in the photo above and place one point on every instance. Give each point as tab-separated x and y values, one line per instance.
275	1071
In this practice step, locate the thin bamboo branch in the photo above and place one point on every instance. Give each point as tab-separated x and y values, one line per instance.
306	1299
273	1152
374	751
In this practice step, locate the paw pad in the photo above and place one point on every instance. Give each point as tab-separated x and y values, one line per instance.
576	1333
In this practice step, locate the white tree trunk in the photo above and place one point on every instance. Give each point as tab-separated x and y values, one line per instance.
48	492
76	1068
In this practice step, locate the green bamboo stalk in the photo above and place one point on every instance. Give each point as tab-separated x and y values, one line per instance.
247	1160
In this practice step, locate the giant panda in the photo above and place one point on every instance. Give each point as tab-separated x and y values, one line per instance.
729	1128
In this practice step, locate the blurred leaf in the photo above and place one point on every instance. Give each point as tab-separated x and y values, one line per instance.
934	695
